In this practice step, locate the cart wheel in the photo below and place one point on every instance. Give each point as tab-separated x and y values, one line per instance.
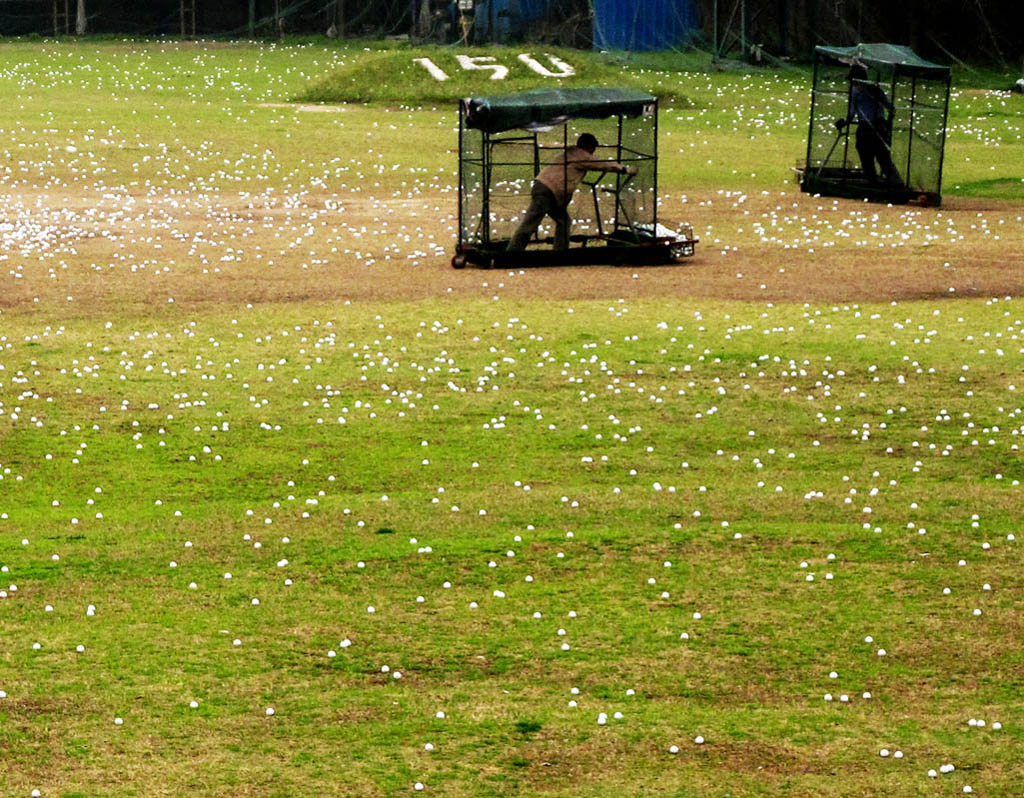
459	262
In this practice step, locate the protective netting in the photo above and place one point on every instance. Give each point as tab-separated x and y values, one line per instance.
828	147
761	31
230	18
471	181
919	131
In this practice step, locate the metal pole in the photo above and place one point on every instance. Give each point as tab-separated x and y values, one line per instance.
654	218
252	19
462	178
728	26
714	35
942	143
486	157
618	178
810	129
565	181
743	30
910	134
846	173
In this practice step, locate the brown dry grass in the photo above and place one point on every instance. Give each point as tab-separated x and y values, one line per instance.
977	251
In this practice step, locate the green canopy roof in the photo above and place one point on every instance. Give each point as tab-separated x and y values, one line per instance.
886	58
549	107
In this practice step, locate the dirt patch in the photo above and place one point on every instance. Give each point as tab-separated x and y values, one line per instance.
319	247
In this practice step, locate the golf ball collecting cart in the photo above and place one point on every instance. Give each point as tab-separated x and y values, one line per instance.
505	141
913	134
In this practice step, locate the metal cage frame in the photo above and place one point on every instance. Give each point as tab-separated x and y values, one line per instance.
619	239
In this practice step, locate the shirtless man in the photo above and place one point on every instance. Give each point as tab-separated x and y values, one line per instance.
554	187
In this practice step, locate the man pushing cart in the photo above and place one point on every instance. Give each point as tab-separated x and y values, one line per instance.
896	105
554	187
535	142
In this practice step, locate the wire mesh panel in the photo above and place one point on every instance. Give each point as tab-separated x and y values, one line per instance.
472	185
511	172
920	131
638	148
829	147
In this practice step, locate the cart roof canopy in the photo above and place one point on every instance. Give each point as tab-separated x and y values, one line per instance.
887	58
546	108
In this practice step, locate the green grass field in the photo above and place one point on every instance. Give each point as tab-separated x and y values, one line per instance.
288	506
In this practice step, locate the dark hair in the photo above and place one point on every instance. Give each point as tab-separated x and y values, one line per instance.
588	141
858	72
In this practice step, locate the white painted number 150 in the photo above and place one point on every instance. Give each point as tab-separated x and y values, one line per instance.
498	70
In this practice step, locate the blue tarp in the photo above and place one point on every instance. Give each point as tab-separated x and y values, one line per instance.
643	24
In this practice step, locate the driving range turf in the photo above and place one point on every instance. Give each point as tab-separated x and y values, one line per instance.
289	506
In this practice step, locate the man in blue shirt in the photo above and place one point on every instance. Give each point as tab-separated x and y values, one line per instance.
872	111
